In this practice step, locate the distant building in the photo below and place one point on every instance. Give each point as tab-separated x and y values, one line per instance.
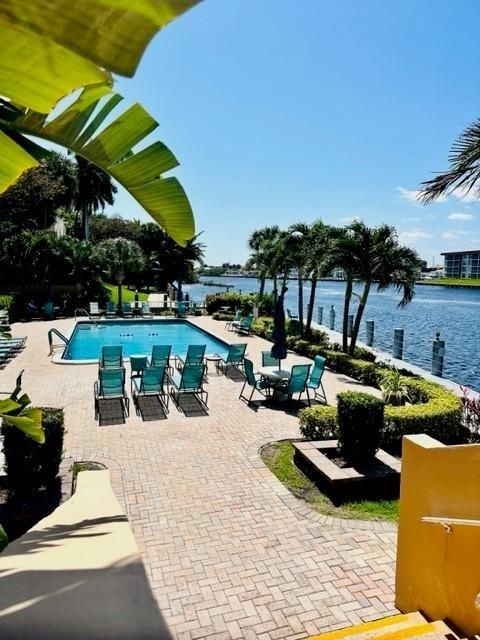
462	264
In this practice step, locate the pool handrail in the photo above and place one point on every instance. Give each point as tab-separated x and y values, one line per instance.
57	333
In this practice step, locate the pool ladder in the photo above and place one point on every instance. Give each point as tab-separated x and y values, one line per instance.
84	312
50	338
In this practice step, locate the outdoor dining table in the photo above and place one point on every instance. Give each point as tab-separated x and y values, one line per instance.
275	376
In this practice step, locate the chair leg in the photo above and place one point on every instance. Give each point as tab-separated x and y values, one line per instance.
308	397
241	392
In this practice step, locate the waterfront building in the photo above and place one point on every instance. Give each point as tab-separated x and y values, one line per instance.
462	264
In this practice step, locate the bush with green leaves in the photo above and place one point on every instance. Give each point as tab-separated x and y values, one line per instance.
223	317
362	370
31	466
360	421
234	299
318	423
262	327
394	388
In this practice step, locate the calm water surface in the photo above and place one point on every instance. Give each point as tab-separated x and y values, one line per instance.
453	312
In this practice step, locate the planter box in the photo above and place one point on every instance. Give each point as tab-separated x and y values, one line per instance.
380	479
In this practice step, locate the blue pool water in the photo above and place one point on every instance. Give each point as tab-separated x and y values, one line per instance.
138	337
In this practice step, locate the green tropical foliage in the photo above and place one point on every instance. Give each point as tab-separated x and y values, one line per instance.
15	412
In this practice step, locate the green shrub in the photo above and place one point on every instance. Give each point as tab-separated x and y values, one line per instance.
224	317
364	354
265	304
318	423
31	466
436	411
292	327
318	337
316	350
360	421
263	327
365	372
236	300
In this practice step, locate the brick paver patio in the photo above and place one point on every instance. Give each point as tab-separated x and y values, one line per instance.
229	552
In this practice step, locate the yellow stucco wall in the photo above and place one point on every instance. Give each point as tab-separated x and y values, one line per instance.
439	572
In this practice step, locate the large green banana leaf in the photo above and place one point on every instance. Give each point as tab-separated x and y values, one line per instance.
79	128
50	47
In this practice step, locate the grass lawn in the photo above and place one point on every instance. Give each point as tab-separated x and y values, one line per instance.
278	457
127	294
466	282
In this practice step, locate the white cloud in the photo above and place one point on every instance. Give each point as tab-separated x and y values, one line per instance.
350	219
450	235
414	234
412	195
465	196
461	216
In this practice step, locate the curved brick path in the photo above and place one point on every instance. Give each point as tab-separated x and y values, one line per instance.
230	553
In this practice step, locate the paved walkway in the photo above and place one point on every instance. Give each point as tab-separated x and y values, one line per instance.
229	552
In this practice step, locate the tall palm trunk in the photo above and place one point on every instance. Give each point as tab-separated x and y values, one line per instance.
311	303
300	302
346	308
261	291
275	289
85	229
119	294
358	317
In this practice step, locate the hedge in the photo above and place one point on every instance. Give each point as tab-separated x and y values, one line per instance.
31	466
214	301
437	412
360	421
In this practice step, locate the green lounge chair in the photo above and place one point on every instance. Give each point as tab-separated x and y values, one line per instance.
127	310
137	365
161	356
297	382
256	383
236	318
268	360
195	355
110	309
315	380
146	313
235	357
111	357
110	386
181	309
190	380
150	383
243	326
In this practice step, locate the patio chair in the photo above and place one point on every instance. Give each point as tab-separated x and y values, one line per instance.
243	326
127	310
161	356
315	379
237	318
256	383
190	380
150	383
137	365
291	316
181	309
297	382
14	344
110	386
93	309
235	357
194	356
146	313
110	309
111	357
268	360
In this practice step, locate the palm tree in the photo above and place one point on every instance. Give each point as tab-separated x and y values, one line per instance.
373	255
464	172
262	243
95	189
118	257
318	247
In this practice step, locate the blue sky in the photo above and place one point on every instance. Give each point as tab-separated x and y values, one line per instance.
283	111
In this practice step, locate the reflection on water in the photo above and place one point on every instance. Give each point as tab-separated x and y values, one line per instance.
453	312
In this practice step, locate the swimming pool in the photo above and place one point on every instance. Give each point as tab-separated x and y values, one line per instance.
138	337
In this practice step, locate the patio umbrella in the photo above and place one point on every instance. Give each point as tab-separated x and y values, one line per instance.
279	349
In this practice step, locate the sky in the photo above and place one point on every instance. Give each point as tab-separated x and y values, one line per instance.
282	111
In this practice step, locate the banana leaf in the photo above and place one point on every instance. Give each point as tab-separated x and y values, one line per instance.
49	48
79	127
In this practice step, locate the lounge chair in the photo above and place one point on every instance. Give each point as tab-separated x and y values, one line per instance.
243	326
190	380
110	309
150	383
181	309
291	316
161	356
194	356
127	310
315	380
110	386
137	365
14	344
111	357
93	309
256	383
146	313
236	318
268	360
297	382
235	357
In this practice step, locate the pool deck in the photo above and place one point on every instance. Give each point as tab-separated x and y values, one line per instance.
229	552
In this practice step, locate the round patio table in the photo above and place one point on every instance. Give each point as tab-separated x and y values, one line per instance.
276	376
215	358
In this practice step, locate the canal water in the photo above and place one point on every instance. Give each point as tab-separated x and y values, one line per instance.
455	313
